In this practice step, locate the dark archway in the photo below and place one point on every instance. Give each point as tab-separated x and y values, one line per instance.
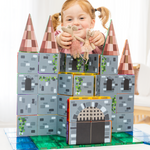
126	84
28	84
109	85
74	64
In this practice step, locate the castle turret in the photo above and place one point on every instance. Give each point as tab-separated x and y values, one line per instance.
29	42
49	44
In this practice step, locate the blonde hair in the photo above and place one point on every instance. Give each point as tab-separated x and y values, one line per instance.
87	7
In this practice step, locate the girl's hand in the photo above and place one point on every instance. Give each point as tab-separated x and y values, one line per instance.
64	40
98	39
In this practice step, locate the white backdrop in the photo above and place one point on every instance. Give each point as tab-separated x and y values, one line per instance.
130	19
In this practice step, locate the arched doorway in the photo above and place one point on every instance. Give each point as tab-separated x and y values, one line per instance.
90	126
28	84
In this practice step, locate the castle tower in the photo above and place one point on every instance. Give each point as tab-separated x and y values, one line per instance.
37	89
27	85
109	82
125	98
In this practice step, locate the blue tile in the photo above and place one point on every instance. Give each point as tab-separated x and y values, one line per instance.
20	140
24	146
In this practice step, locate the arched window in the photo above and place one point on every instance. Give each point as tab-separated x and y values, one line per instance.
126	84
28	84
109	85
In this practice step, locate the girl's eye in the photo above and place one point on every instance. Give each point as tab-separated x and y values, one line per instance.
81	18
69	19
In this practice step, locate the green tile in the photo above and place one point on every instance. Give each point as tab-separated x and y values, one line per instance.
57	138
47	145
58	142
121	135
130	140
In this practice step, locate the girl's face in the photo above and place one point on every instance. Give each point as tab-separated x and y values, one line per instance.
76	16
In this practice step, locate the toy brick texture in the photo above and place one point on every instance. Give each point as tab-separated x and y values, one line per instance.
83	85
125	103
62	105
27	105
63	62
47	104
97	85
110	63
48	63
65	83
29	42
126	83
114	122
27	126
47	125
27	83
92	65
27	63
61	125
47	84
124	122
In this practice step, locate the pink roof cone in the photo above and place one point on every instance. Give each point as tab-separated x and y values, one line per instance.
49	44
125	65
29	42
111	46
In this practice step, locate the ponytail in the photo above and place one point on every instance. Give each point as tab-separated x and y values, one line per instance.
55	21
104	15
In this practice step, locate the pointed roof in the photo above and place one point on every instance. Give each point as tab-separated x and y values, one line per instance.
111	46
125	65
29	42
49	44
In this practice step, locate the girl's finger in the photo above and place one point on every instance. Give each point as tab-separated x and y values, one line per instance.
66	34
66	39
65	43
66	47
95	39
98	43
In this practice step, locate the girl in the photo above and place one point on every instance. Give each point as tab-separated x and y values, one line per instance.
79	13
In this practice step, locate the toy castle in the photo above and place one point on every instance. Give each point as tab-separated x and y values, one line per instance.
60	95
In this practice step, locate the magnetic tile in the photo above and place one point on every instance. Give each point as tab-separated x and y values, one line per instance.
24	146
144	139
129	140
10	130
20	140
137	134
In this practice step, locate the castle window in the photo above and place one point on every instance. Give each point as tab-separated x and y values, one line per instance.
74	64
28	84
126	84
109	85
